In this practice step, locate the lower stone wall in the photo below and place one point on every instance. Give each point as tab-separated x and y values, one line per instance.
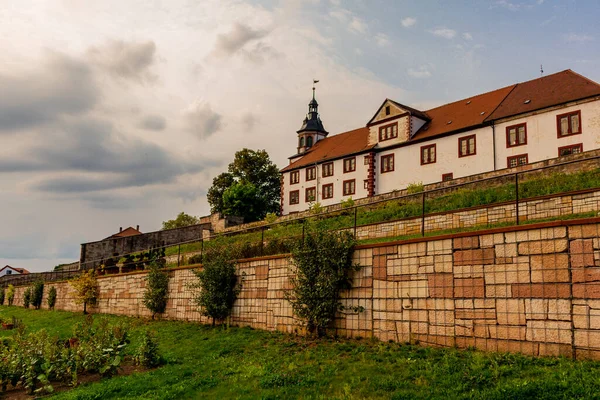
533	289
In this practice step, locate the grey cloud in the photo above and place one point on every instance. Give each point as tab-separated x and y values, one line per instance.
201	120
229	43
62	86
153	123
126	60
249	120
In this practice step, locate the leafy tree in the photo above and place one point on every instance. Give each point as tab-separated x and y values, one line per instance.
27	297
157	289
249	167
10	294
86	289
2	296
37	292
218	284
180	221
323	264
51	297
243	199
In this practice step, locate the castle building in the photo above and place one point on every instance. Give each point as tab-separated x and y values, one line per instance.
544	118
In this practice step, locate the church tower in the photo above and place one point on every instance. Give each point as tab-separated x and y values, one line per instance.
312	129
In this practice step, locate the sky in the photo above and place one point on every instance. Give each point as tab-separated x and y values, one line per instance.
119	113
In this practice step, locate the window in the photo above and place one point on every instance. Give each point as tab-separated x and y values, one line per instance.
467	146
294	177
327	169
428	154
295	197
388	132
516	135
349	187
387	163
367	160
517	161
387	110
350	164
311	173
8	272
572	149
309	141
447	177
328	191
568	124
301	144
310	194
366	183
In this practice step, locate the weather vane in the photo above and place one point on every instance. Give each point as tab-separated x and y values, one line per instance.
315	81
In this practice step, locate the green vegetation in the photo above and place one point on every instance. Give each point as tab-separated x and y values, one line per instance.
10	294
86	289
27	297
157	289
51	297
2	296
205	362
37	292
182	220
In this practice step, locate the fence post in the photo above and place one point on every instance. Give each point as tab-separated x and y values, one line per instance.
355	212
178	254
423	214
303	224
262	241
517	197
202	251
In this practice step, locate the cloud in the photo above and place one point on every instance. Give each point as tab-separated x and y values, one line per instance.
467	36
577	38
382	39
357	25
201	120
548	21
227	44
61	86
153	123
423	71
340	14
249	120
125	60
335	2
444	33
408	22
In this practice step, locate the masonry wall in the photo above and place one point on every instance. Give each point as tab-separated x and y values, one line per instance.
534	290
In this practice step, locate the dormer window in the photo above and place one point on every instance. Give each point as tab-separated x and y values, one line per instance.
387	110
388	132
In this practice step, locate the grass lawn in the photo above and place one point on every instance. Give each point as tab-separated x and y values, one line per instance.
241	363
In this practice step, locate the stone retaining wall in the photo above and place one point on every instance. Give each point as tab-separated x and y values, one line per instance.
533	289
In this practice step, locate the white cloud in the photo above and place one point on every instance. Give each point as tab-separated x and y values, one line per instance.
577	38
358	51
445	33
335	2
467	36
382	39
357	25
408	22
201	120
422	72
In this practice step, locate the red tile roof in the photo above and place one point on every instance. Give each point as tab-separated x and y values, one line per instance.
126	233
551	90
19	270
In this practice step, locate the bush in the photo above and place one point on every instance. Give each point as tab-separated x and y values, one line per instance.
157	290
323	264
37	292
218	284
271	217
348	203
10	294
147	352
2	296
195	259
27	297
415	188
51	297
86	289
316	208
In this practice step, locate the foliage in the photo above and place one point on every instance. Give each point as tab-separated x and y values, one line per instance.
10	294
157	290
323	263
2	296
51	297
195	259
180	221
243	199
27	297
249	167
147	353
37	293
86	289
415	188
348	203
271	217
316	208
218	284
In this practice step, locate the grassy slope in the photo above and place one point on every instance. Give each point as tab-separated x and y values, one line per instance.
207	362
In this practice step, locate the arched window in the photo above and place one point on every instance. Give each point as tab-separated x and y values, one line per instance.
301	142
309	141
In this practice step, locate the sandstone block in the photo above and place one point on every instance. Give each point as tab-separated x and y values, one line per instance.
510	311
466	242
559	309
587	338
413	289
443	263
262	272
549	331
585	274
506	273
550	268
581	317
506	250
586	290
412	249
468	271
491	240
541	290
437	247
582	253
379	251
469	287
584	231
498	291
474	257
507	332
536	308
475	314
441	285
543	246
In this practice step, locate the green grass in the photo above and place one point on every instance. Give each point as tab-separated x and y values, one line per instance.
242	363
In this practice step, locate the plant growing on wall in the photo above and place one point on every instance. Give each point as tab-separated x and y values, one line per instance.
323	263
2	296
218	284
27	297
51	297
10	294
86	289
157	289
37	292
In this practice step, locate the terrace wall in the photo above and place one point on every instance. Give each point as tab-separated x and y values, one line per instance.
533	289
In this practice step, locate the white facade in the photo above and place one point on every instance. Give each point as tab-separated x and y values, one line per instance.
8	270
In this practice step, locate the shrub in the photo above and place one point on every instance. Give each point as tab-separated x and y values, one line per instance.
51	297
86	289
10	294
157	290
37	292
348	203
218	284
415	188
27	297
316	208
195	259
2	296
271	217
323	264
147	352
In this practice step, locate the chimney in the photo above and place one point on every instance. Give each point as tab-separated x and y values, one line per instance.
137	227
120	229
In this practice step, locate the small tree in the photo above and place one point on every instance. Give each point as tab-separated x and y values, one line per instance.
2	296
27	297
51	297
37	293
218	284
10	294
86	289
323	263
157	289
180	221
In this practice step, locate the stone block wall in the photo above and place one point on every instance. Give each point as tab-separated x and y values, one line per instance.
532	289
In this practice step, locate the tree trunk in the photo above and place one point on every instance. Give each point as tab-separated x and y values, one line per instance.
84	307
